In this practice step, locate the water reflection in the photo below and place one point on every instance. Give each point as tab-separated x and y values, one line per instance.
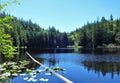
100	51
103	67
74	50
18	57
101	62
50	50
98	66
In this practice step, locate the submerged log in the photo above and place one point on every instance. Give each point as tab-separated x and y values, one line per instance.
58	75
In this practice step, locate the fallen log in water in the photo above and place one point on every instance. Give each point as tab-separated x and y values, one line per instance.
58	75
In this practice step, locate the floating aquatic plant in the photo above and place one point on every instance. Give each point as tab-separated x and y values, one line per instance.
25	78
47	69
38	71
28	70
13	69
48	74
43	79
56	69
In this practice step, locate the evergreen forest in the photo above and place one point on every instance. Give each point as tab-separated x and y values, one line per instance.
92	35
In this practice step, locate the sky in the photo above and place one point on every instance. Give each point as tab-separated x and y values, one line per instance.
65	15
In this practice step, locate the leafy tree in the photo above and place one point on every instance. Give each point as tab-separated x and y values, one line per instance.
117	38
6	46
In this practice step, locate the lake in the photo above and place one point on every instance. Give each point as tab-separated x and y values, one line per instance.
81	65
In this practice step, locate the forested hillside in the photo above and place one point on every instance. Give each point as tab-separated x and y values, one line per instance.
28	34
99	33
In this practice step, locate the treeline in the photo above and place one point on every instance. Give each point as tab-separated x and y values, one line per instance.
99	33
28	34
103	67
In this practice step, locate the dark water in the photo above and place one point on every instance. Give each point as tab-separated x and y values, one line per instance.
82	65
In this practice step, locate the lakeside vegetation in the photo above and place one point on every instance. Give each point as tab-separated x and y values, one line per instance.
26	33
16	33
100	34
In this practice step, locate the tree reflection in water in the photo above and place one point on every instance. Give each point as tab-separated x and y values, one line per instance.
103	67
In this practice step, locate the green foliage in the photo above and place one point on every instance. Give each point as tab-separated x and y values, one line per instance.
56	69
23	63
99	33
11	69
38	72
5	3
28	34
28	70
6	46
47	69
117	37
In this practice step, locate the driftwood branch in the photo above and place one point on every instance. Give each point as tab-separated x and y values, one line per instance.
58	75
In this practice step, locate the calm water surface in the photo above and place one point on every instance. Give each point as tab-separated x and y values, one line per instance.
82	66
